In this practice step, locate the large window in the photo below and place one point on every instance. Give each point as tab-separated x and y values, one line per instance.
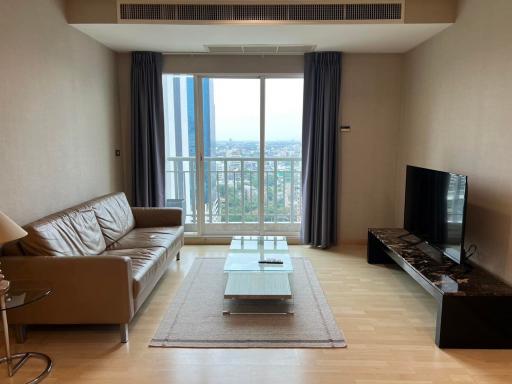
234	157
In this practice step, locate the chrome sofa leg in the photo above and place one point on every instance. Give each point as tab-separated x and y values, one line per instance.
123	328
20	333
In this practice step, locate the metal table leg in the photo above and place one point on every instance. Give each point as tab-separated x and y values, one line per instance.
22	358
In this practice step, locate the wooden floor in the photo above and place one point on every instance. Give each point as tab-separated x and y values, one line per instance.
388	321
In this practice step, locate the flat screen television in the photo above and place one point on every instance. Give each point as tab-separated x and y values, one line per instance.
435	209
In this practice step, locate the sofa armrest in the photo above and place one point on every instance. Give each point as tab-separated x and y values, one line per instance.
157	217
85	289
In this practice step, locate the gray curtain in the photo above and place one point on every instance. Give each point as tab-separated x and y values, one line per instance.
148	135
322	85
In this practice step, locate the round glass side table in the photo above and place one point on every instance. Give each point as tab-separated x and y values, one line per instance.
21	293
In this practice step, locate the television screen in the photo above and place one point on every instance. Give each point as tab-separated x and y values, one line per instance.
435	207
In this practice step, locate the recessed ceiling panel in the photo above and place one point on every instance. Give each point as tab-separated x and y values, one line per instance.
360	38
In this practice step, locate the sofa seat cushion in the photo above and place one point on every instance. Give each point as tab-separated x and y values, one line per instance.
147	264
165	237
114	216
71	232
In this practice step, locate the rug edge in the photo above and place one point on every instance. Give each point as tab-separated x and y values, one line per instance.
170	344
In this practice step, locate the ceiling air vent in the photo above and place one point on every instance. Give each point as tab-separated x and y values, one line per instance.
260	12
260	49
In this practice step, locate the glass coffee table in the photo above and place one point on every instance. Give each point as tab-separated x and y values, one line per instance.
21	293
253	285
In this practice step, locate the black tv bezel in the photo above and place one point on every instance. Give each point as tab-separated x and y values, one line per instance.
463	237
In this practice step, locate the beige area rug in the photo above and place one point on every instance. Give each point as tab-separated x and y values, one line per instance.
195	319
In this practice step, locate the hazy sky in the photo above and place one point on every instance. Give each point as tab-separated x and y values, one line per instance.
237	110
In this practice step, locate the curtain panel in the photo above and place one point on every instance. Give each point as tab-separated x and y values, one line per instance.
322	85
148	134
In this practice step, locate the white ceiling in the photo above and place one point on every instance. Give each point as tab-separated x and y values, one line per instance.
361	38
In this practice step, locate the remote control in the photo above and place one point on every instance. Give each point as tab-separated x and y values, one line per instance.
271	261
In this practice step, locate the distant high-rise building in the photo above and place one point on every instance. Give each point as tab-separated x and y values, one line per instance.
180	120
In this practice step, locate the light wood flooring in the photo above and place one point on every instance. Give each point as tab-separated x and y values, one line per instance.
387	318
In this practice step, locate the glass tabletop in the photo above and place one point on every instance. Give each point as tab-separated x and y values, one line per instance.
24	292
252	243
246	252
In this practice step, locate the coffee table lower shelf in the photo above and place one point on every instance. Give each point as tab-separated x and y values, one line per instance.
257	307
251	293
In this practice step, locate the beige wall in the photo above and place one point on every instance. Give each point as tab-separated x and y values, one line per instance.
371	101
371	94
430	11
124	81
58	112
457	116
91	11
233	64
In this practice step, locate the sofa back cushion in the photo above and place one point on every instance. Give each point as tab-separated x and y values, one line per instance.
71	232
114	216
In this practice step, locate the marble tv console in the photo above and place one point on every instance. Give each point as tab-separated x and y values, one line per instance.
474	308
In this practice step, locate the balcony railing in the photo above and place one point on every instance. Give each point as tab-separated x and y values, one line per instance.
231	189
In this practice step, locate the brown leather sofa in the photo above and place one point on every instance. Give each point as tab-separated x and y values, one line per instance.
102	258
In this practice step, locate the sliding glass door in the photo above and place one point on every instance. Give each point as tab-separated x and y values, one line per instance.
234	157
231	147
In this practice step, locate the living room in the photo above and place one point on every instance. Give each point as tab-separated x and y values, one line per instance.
212	191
